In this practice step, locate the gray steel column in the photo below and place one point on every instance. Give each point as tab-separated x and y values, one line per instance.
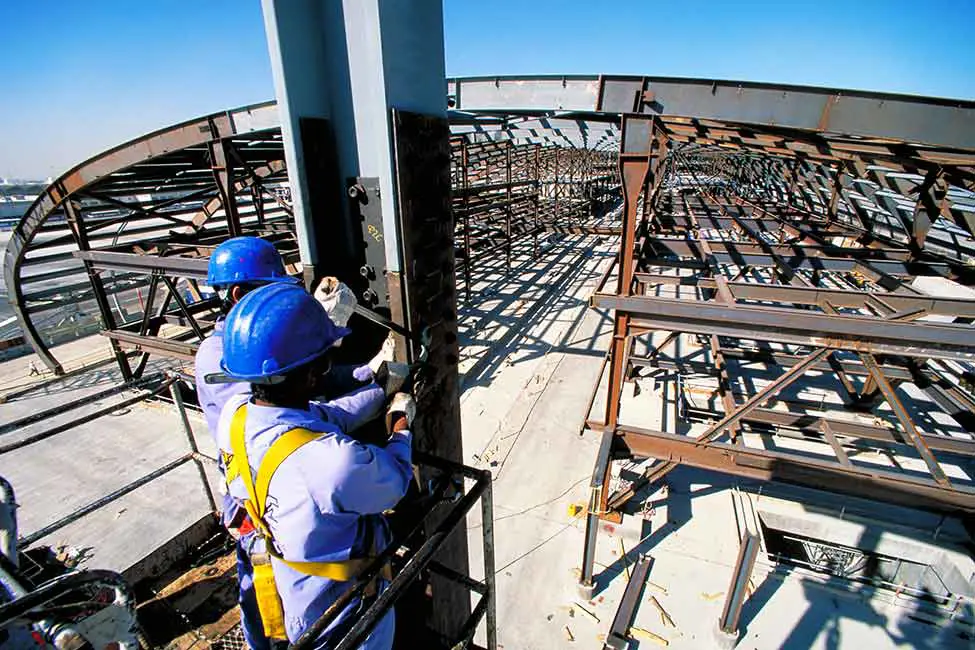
350	62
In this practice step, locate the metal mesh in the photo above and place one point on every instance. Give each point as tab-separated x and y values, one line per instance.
232	640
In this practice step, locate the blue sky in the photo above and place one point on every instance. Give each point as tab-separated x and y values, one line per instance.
79	76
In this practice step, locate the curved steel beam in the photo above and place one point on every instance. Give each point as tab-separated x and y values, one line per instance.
922	120
197	132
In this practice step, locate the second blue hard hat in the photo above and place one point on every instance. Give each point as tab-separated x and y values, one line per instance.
273	330
246	260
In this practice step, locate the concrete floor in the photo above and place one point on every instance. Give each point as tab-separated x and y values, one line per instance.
531	351
57	475
526	387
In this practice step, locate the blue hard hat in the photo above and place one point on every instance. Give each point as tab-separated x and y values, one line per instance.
274	329
246	260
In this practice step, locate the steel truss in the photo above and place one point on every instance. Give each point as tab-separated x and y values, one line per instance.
507	190
758	263
175	192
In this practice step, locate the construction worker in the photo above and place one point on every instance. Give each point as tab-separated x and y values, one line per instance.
237	266
316	494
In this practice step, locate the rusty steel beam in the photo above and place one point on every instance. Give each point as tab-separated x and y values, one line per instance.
153	344
820	296
944	122
801	327
641	146
750	356
905	419
764	465
775	420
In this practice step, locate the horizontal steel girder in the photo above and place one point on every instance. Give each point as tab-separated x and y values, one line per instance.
157	344
818	296
764	465
183	267
944	122
800	327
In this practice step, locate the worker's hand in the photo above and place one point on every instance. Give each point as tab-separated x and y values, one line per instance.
337	299
400	414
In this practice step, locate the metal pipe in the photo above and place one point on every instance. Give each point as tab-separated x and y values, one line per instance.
69	406
194	449
85	418
27	540
368	620
490	598
8	523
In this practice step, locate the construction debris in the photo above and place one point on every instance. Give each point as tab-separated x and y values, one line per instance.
654	585
626	564
664	616
617	639
593	616
640	633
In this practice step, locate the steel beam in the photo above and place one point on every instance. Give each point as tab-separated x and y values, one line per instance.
183	267
950	123
738	589
818	296
905	419
859	334
765	465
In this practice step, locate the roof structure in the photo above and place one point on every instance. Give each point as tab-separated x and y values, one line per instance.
896	167
796	265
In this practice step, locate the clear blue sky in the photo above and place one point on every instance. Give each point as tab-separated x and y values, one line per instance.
79	76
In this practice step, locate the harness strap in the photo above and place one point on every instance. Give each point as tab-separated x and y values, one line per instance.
256	504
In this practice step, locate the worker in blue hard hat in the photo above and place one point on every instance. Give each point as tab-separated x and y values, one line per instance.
315	494
238	266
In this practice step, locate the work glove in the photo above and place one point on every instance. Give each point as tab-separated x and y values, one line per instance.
337	299
400	414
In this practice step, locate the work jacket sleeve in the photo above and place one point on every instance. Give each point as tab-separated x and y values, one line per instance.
373	478
353	409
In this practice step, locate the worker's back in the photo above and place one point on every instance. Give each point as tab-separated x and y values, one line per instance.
325	500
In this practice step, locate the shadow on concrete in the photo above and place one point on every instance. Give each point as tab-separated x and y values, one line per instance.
675	493
517	303
927	620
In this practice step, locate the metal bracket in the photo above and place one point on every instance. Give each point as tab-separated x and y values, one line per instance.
364	196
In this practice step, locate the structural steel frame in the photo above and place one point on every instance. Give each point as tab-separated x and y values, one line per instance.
181	190
753	250
784	231
505	191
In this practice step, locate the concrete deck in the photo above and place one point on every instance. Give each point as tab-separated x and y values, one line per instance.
526	387
531	351
55	476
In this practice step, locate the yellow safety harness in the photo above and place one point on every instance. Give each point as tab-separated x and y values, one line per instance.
268	599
